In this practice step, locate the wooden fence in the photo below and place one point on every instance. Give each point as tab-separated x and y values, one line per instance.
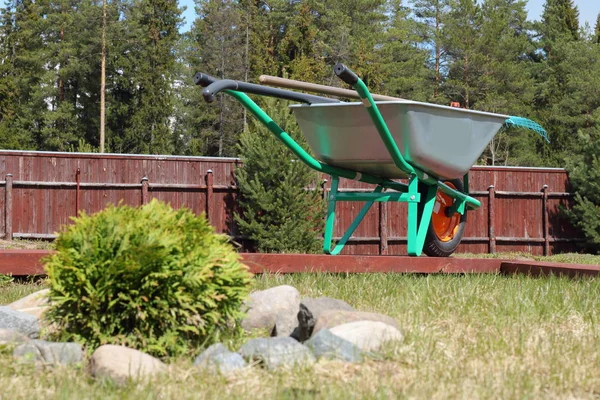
41	191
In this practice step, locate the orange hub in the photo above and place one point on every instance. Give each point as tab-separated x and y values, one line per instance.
445	227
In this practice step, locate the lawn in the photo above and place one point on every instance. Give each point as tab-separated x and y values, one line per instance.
467	336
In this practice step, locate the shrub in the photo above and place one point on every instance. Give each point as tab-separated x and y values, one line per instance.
151	278
278	213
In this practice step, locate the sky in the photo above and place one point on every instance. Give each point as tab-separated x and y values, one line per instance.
588	11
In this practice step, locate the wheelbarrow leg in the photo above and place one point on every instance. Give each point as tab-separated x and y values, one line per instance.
330	221
417	229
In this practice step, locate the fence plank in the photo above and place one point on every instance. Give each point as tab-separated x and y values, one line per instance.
8	209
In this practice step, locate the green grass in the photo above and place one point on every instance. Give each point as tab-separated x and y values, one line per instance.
467	336
572	258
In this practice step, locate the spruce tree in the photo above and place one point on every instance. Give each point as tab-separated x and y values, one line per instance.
278	213
556	60
560	20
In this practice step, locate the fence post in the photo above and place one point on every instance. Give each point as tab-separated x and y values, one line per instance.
77	191
209	195
545	221
383	231
8	214
144	190
491	218
324	188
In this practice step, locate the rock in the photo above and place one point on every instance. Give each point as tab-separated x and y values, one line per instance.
325	344
121	363
367	335
286	324
267	307
217	358
277	352
49	352
37	299
329	319
8	337
310	311
37	312
20	322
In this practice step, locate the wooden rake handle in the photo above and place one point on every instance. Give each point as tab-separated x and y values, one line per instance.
315	88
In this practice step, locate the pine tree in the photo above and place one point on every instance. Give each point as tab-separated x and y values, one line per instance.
215	45
597	30
433	14
506	82
278	213
22	106
404	65
142	93
462	34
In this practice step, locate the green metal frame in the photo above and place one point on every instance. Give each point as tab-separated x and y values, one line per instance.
418	222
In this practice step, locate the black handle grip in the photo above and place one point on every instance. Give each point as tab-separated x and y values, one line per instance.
211	90
345	74
203	79
214	86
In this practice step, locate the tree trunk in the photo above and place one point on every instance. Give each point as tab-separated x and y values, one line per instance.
103	78
438	52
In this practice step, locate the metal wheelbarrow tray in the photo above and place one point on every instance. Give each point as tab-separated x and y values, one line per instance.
442	141
430	145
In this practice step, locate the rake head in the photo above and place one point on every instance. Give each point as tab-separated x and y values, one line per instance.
520	122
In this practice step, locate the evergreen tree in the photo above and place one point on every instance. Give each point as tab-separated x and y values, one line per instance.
506	81
22	106
462	34
559	37
582	111
278	213
142	93
214	45
433	14
560	20
597	30
404	64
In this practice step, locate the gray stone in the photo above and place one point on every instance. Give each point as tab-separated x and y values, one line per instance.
368	335
285	324
120	363
266	307
49	352
330	318
326	345
217	358
310	311
20	322
37	299
277	352
37	312
12	337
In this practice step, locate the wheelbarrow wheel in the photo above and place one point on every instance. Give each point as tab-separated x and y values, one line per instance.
445	231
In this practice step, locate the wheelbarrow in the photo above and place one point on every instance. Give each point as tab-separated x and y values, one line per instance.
431	146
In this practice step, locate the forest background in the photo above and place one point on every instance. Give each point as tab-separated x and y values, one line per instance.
63	63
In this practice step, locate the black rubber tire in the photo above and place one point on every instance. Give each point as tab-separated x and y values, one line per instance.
433	246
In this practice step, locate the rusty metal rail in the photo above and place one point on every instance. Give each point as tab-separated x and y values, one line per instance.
29	262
